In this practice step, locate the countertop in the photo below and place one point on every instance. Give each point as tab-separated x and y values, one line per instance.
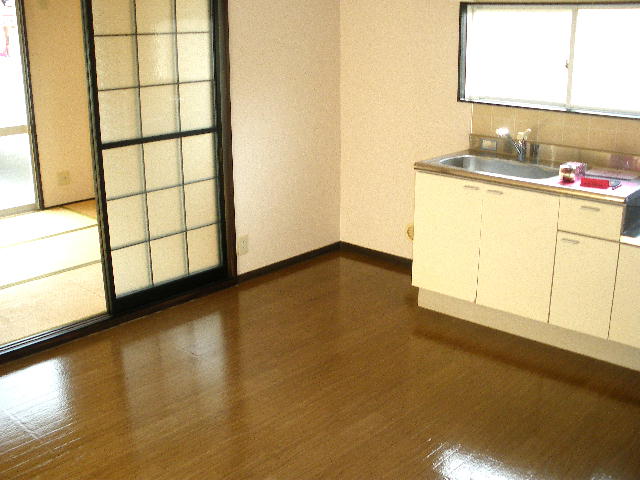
628	188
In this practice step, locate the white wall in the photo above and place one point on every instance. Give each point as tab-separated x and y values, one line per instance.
398	90
60	98
285	110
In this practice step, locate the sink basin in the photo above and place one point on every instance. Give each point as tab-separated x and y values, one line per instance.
498	166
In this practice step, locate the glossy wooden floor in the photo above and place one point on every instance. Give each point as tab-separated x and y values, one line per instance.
326	370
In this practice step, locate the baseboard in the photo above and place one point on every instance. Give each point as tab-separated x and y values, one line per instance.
350	247
288	262
576	342
66	333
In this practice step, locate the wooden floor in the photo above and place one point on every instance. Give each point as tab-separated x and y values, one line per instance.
326	370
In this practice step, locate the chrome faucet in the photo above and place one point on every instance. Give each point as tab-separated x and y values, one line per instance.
520	143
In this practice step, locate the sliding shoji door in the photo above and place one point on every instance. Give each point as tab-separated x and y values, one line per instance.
159	143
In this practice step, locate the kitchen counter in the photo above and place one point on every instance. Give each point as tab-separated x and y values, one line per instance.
628	190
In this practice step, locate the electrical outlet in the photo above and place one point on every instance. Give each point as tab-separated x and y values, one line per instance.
242	246
410	231
489	144
64	178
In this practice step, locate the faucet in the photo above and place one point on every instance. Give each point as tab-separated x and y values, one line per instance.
520	143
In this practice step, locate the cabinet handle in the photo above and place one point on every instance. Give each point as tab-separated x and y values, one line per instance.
571	241
588	207
472	187
495	192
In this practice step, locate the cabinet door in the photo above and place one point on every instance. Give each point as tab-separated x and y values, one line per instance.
583	281
447	235
517	251
625	316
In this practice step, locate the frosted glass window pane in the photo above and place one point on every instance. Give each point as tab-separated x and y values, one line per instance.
193	15
169	258
200	203
204	249
156	55
162	164
126	221
122	171
119	115
131	269
518	54
194	56
165	212
159	110
155	16
195	106
198	157
112	17
606	67
115	62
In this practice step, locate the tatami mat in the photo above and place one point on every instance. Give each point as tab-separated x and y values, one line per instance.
87	208
34	259
41	305
37	225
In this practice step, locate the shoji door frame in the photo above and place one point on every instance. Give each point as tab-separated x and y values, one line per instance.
225	275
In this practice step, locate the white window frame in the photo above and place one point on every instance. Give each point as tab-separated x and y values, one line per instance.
568	106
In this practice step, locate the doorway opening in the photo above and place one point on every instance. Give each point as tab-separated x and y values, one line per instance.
50	257
18	190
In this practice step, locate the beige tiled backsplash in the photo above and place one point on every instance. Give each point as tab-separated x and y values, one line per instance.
559	128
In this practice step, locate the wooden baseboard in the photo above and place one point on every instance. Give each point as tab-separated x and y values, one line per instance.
350	247
88	326
288	262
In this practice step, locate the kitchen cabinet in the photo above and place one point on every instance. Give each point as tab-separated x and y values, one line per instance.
447	235
583	283
517	250
625	315
473	239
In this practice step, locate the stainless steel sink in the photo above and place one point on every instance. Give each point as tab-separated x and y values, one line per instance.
499	166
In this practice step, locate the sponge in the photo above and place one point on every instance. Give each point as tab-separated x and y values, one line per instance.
594	182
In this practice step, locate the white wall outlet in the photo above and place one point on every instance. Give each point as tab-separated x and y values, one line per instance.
242	245
64	178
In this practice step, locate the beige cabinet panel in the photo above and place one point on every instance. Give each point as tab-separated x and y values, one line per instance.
583	282
447	235
517	251
625	316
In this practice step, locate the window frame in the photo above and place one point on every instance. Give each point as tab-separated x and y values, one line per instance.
568	107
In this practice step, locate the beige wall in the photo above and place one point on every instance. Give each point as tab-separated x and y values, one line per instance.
398	89
285	98
58	77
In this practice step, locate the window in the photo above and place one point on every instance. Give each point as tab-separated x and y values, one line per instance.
568	57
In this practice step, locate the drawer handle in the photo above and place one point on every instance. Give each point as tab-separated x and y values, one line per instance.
472	187
496	192
588	207
571	241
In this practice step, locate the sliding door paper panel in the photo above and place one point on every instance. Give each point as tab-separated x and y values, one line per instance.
158	139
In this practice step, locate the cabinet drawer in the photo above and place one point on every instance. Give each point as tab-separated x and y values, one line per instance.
595	219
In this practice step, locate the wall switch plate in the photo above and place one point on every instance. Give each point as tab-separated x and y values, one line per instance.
488	144
242	245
